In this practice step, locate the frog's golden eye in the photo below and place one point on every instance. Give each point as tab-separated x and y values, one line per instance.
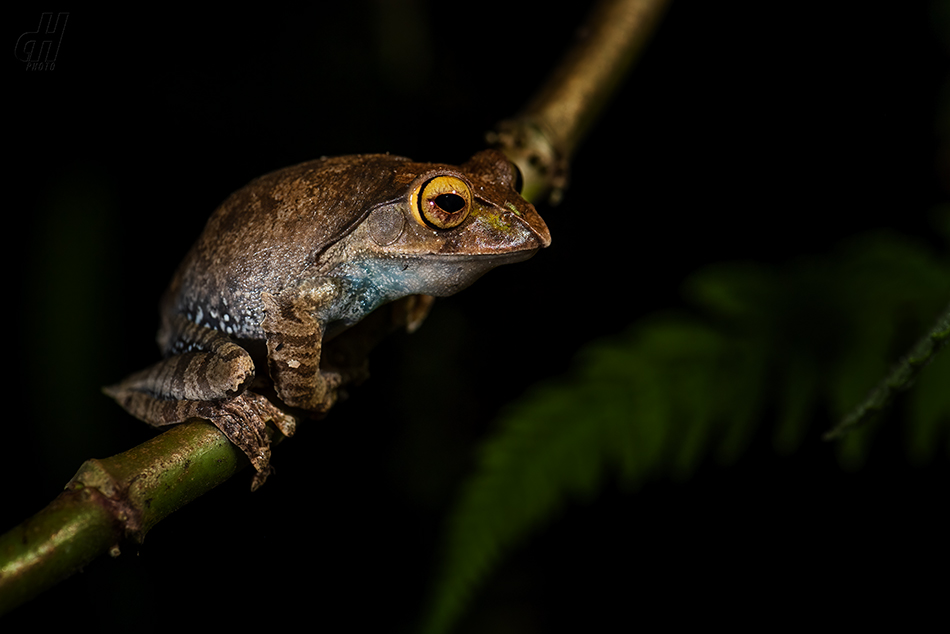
442	202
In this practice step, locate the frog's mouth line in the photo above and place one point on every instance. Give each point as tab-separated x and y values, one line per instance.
497	259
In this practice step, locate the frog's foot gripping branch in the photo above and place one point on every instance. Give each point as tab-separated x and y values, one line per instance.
207	379
243	419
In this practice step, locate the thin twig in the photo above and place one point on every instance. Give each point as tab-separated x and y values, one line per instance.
543	137
901	377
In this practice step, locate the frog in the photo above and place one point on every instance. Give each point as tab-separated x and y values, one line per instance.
271	314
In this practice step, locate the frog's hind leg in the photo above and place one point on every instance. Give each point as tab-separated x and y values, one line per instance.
208	381
204	365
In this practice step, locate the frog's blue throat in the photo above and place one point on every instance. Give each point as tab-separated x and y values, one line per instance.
371	282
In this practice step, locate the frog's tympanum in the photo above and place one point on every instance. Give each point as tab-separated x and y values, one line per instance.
259	323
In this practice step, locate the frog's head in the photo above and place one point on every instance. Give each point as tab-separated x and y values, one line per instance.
447	227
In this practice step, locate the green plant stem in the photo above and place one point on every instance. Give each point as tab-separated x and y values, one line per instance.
544	136
110	500
901	377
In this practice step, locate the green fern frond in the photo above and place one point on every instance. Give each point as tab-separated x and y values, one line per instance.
644	406
673	390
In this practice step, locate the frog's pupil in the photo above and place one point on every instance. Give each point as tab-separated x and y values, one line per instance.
450	202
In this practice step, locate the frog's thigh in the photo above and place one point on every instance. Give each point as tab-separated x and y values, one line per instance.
219	369
198	376
294	339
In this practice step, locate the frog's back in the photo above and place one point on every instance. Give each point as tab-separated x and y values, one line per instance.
267	235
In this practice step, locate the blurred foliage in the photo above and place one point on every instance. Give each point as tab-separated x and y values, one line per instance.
763	343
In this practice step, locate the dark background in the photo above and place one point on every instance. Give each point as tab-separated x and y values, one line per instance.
748	131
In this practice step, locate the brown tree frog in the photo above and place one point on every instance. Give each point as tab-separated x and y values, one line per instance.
250	322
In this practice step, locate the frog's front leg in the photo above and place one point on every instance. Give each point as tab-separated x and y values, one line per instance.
294	337
208	381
